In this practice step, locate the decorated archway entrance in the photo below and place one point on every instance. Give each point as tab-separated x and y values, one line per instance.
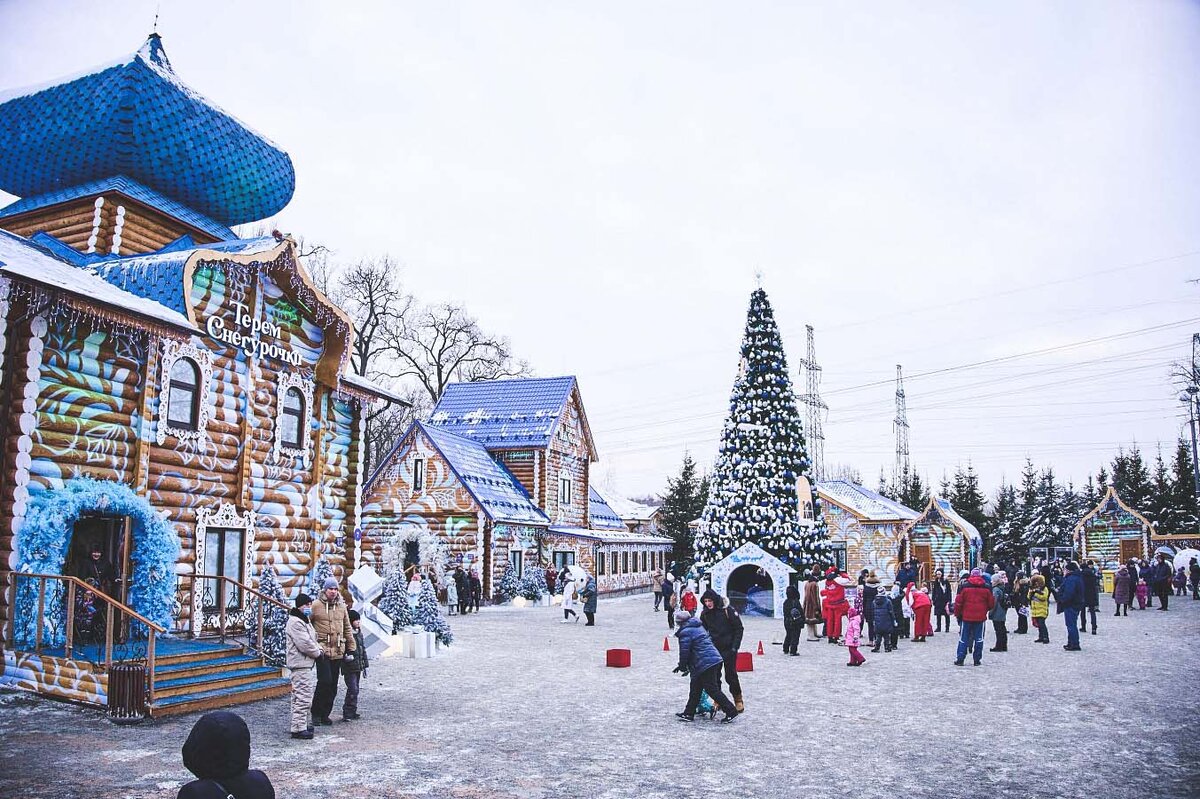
751	567
751	591
44	539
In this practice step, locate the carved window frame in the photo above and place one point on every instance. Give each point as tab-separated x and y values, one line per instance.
225	517
172	351
289	380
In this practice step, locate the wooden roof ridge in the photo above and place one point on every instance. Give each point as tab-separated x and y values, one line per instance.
1111	493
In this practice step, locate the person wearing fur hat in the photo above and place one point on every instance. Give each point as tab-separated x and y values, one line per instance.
331	622
883	625
870	590
812	607
1122	591
854	637
999	614
833	604
724	626
1039	607
973	606
793	620
700	660
302	654
940	597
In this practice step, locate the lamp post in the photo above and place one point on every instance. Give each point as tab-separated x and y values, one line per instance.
1189	398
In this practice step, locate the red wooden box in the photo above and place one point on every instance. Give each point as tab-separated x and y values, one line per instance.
617	658
745	661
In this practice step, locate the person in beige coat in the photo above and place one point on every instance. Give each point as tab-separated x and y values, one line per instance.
331	622
302	653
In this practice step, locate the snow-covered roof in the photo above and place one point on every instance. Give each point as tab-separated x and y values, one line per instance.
508	414
371	387
135	117
22	259
600	515
494	487
612	536
632	511
863	502
940	507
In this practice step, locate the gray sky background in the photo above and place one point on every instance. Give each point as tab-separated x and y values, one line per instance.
931	184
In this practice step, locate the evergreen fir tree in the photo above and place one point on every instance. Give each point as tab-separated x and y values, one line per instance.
911	492
429	615
1091	494
274	647
393	602
1131	478
1049	526
509	586
1184	508
753	494
1003	523
969	501
533	584
320	573
1029	505
683	503
1073	508
1159	507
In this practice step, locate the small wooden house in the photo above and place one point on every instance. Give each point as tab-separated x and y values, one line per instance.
941	539
865	528
500	474
1113	533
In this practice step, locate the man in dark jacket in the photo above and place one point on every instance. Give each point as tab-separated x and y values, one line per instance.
217	751
1091	596
1194	577
941	599
870	590
1162	574
973	606
906	575
700	660
462	585
724	625
793	622
1070	601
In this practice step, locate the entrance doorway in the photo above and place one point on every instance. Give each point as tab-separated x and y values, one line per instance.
412	557
109	537
751	591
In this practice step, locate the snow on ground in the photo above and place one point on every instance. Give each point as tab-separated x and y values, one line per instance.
523	706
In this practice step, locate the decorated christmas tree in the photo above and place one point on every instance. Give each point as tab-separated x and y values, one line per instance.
274	647
394	600
533	585
753	491
429	615
509	586
319	574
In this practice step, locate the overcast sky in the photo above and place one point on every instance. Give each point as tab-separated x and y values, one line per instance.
930	184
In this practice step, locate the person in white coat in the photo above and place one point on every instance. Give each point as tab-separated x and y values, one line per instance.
302	653
568	602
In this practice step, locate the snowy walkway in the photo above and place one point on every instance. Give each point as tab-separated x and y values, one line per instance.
523	707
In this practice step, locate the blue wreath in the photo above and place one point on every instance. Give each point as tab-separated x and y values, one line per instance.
45	536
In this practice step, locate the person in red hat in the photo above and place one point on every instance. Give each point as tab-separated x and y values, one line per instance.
833	605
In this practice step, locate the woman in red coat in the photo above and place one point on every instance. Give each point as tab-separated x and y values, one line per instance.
833	605
921	606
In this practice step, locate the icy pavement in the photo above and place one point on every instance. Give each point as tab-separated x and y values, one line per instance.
522	706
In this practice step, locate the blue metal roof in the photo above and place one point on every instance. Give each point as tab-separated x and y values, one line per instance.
494	487
600	515
130	188
505	413
136	118
159	276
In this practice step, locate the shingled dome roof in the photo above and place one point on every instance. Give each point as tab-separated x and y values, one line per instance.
136	118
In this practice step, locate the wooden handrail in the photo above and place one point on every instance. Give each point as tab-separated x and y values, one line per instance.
242	586
66	578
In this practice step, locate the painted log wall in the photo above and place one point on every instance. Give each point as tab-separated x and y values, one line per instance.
869	545
444	508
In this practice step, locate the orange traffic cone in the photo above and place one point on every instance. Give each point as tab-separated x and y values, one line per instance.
666	643
760	648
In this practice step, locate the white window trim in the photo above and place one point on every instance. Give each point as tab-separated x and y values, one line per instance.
564	481
419	467
225	517
294	380
172	351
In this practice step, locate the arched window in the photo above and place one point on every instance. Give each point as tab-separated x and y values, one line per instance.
292	418
183	395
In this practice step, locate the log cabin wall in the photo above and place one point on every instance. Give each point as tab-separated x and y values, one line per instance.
567	455
444	508
869	545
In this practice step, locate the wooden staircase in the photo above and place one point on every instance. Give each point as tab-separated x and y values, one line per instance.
211	675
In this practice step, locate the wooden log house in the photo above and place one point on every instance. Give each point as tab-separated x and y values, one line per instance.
501	474
1114	533
199	379
865	528
941	539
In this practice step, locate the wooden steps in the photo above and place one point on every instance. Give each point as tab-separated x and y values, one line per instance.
211	675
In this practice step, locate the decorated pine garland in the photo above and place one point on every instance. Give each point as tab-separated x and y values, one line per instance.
45	536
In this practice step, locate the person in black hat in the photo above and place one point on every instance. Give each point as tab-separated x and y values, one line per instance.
302	653
353	668
217	751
